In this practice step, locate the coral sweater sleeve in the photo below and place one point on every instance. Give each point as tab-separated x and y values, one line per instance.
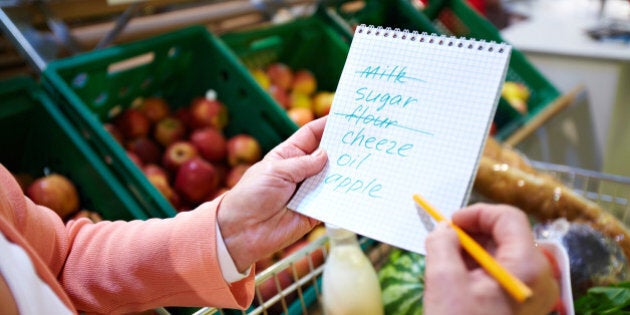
118	267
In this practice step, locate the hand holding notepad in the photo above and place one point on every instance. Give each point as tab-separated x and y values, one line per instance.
410	115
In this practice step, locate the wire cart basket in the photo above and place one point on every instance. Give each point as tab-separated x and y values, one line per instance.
303	295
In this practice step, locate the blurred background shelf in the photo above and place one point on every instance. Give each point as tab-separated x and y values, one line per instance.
42	31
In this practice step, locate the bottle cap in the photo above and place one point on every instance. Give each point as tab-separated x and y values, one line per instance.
338	232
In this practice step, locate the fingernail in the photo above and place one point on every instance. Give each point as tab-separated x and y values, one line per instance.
442	226
318	152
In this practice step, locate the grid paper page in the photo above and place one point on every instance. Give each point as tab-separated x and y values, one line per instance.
410	115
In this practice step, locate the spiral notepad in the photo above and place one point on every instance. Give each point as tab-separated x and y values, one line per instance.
410	115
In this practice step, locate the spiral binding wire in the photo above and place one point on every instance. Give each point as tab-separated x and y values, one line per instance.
452	41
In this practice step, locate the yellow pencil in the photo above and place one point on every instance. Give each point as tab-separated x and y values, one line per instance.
515	287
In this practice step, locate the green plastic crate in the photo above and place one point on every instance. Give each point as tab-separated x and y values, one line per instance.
304	43
37	138
177	66
453	18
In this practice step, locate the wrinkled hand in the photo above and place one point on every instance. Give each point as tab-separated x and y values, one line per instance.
455	285
253	217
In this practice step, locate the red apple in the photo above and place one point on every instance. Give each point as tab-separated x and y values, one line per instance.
133	124
183	114
134	158
222	169
195	180
23	179
56	192
304	82
322	102
217	193
272	286
154	108
281	96
493	129
208	111
235	174
300	116
177	154
154	170
305	264
161	183
280	75
146	149
264	263
210	143
169	130
115	132
243	149
92	215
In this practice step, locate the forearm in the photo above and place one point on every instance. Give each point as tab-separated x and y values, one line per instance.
126	266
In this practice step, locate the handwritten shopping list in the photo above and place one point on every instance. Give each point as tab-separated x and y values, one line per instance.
410	115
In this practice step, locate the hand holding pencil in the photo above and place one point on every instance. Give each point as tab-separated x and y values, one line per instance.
453	286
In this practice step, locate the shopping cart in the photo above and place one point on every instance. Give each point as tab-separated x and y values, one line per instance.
303	296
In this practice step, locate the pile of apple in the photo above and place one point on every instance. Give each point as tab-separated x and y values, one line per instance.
56	192
184	153
295	90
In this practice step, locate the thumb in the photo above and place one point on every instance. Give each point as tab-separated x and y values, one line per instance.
304	166
444	260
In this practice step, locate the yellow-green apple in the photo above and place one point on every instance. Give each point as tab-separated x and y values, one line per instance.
280	74
234	174
168	130
155	108
210	143
243	149
261	77
55	191
304	82
132	123
208	111
195	180
177	154
300	115
322	102
146	149
316	233
300	100
516	94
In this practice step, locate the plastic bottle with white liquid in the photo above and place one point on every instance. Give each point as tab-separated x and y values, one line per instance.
349	283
